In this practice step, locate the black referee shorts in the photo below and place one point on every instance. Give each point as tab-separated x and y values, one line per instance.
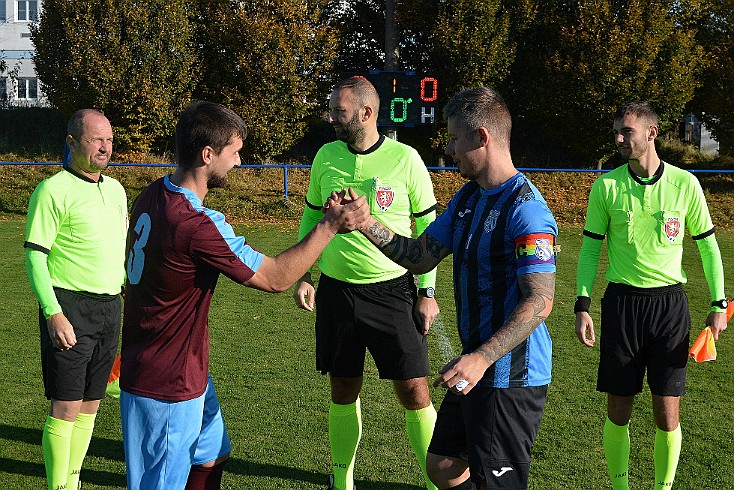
644	329
351	318
82	371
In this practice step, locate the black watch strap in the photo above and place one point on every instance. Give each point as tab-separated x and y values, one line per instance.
427	292
722	303
583	303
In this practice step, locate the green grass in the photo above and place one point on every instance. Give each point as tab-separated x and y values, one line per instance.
275	403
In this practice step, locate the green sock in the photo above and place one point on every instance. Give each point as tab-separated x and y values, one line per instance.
419	425
667	452
55	442
80	439
617	453
345	431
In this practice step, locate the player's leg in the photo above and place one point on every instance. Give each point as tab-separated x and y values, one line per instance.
624	324
667	378
446	463
98	324
56	441
157	437
212	448
392	333
668	439
340	352
420	418
617	439
345	428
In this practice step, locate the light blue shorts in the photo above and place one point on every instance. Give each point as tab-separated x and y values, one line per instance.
162	439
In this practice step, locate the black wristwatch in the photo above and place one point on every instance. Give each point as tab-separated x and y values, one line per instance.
722	303
427	292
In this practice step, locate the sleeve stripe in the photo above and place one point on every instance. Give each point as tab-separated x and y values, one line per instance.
427	211
34	246
315	208
705	234
595	236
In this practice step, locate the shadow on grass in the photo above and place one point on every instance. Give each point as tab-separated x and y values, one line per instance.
295	475
112	450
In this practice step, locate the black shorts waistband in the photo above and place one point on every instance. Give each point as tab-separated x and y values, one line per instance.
389	283
617	288
88	295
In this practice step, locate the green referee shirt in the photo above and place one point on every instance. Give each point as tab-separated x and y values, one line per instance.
81	225
644	222
398	187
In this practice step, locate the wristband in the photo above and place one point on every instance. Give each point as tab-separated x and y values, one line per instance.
583	303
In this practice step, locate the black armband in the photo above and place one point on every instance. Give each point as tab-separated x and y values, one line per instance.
583	303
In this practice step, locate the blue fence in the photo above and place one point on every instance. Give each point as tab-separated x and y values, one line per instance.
286	167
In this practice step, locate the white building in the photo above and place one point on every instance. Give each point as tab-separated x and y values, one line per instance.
18	83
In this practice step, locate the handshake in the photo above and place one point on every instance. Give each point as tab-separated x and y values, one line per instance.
347	211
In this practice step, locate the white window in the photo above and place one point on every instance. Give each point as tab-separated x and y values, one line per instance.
28	10
27	88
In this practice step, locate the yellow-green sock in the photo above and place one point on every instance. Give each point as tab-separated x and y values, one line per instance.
55	442
419	425
667	452
345	431
617	453
80	438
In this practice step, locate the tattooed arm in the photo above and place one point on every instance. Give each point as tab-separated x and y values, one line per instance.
534	307
418	255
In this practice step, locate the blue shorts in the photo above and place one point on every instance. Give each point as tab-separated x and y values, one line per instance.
163	439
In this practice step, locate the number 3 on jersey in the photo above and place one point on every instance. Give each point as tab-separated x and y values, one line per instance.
136	259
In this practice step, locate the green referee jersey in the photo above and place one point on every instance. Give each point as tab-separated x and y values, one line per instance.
397	186
644	222
81	225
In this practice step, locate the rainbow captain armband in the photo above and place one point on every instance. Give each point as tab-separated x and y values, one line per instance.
535	249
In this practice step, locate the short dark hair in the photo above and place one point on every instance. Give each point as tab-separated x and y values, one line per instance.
643	110
205	124
363	90
75	126
481	107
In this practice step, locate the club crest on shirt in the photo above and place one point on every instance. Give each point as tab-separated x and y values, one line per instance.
543	249
672	228
491	220
384	195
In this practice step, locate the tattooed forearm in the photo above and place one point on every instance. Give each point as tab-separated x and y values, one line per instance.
418	255
538	291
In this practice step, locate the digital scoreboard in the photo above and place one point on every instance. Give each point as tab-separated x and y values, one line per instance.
407	99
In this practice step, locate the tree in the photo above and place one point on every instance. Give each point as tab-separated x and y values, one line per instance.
715	98
131	60
587	57
270	61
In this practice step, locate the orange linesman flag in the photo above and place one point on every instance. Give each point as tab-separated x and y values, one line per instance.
704	348
113	383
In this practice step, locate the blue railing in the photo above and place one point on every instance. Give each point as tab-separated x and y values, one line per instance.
286	166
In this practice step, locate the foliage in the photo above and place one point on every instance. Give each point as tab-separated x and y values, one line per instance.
132	61
715	97
269	61
588	57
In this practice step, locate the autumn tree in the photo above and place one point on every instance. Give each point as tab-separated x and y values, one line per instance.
130	60
584	58
715	98
271	62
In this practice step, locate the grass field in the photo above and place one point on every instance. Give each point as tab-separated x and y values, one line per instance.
275	403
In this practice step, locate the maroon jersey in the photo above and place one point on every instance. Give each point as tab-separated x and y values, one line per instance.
176	249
